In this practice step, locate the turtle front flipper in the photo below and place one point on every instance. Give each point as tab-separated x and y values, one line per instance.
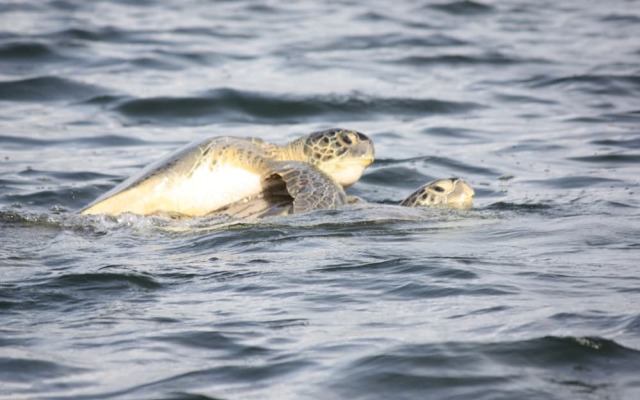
310	188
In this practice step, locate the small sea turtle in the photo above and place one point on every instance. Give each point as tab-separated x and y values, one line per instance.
447	193
451	192
209	175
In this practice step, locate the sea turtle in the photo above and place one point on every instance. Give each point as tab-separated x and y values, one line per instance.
447	193
451	192
206	176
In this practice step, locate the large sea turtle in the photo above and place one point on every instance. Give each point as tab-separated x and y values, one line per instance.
209	175
448	193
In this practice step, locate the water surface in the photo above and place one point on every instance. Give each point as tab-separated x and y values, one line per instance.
532	294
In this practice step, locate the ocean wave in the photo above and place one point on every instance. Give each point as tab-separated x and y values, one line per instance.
463	8
104	34
104	281
633	143
28	52
576	182
609	84
415	290
463	59
609	158
393	41
230	345
106	140
569	366
22	370
230	105
47	88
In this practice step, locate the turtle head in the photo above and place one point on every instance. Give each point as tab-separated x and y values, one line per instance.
452	192
340	153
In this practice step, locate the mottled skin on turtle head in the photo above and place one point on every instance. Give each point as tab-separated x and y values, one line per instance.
452	192
340	153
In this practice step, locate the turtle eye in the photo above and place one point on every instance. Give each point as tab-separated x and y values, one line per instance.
438	189
346	139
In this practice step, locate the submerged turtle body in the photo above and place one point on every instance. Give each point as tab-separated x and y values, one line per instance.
209	175
447	193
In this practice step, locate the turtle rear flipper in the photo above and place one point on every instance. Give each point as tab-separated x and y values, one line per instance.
271	203
310	188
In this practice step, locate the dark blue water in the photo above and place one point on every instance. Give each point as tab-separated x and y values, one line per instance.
533	294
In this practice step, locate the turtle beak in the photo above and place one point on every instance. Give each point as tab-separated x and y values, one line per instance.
365	161
466	192
364	151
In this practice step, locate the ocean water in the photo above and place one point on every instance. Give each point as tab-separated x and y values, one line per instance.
533	294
